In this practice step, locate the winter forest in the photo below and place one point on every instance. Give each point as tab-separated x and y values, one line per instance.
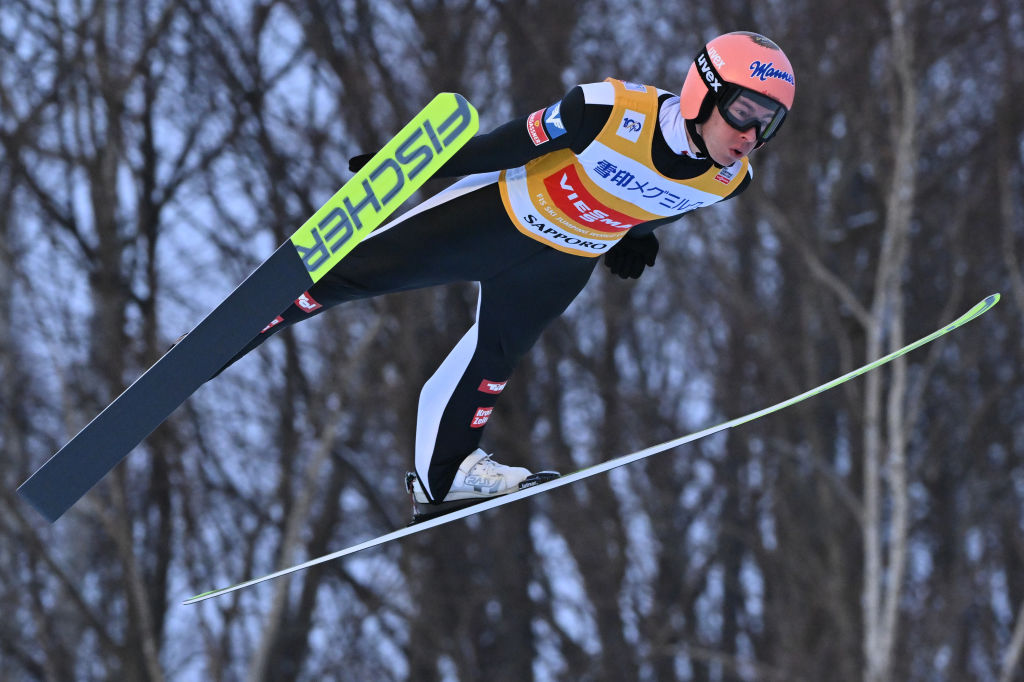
153	153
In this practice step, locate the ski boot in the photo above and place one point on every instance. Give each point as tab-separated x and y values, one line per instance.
478	479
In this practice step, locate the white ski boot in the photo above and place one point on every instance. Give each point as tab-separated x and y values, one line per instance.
478	479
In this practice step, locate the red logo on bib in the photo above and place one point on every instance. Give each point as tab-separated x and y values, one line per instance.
566	189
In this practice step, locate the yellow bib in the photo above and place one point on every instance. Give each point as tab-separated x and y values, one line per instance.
584	203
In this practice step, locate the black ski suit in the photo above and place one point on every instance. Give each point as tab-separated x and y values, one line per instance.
465	234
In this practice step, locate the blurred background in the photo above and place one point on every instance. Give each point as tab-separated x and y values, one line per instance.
153	153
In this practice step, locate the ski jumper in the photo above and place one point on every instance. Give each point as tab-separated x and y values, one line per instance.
544	195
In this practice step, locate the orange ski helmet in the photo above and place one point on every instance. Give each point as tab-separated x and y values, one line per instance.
735	65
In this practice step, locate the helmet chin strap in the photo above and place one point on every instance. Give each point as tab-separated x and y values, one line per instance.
698	141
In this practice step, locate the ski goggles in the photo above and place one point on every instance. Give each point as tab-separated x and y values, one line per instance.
744	109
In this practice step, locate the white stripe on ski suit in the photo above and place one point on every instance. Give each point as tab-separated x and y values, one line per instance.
438	390
436	394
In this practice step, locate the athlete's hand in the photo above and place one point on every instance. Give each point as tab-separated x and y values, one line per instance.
357	162
628	258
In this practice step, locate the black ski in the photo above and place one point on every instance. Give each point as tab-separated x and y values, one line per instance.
362	204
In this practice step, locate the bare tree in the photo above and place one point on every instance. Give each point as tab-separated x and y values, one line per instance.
154	153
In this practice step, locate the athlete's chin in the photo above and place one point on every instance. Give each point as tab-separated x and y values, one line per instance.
726	158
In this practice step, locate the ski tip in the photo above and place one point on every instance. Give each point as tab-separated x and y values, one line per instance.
976	311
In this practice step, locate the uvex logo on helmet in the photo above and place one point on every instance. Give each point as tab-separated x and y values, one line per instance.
742	59
716	58
709	73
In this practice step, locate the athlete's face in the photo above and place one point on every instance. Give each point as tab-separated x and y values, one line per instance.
725	144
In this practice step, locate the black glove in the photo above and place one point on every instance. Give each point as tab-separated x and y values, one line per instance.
357	162
628	257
